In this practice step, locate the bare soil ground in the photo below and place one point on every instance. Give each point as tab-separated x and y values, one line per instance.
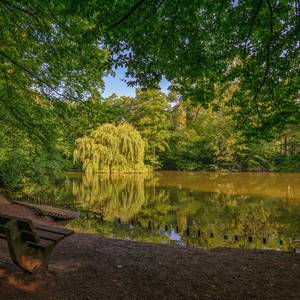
91	267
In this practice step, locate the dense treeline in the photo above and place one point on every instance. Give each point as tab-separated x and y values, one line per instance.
182	136
177	135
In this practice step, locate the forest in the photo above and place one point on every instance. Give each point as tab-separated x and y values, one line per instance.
234	96
176	136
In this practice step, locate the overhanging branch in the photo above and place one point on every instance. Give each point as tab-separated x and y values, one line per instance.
268	51
251	28
127	15
21	9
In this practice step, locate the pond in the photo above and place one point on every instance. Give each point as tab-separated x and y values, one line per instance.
203	209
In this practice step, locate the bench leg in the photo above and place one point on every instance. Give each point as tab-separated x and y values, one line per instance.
29	258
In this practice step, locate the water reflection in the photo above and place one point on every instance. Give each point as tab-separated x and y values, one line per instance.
200	209
116	196
276	185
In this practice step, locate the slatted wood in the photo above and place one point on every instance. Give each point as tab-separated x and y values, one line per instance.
30	246
44	244
54	237
25	225
47	210
29	236
49	232
59	230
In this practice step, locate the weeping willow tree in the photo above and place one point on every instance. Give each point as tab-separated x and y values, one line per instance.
111	148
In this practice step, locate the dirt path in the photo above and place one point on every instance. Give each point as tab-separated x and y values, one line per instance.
90	267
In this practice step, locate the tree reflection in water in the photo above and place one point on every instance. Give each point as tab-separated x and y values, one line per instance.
162	212
115	196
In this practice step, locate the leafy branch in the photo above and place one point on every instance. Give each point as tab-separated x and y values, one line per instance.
250	29
128	14
268	52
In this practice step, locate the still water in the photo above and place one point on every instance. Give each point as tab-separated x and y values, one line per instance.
205	209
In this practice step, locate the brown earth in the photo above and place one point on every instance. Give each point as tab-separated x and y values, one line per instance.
91	267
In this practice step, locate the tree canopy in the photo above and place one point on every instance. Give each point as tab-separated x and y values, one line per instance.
61	49
150	114
197	44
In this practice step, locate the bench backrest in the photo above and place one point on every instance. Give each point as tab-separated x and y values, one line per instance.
24	225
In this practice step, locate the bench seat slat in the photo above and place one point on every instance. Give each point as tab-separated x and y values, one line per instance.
49	235
58	230
29	236
44	244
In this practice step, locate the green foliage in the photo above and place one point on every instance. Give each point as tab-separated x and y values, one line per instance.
43	46
25	165
150	114
179	115
111	148
209	142
197	45
43	61
212	141
54	54
286	163
183	153
32	151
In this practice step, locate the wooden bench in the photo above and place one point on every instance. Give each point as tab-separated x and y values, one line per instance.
30	245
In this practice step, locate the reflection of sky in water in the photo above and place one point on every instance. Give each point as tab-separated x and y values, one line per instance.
173	235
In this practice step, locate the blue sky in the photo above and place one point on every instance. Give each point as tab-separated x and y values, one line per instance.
117	86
